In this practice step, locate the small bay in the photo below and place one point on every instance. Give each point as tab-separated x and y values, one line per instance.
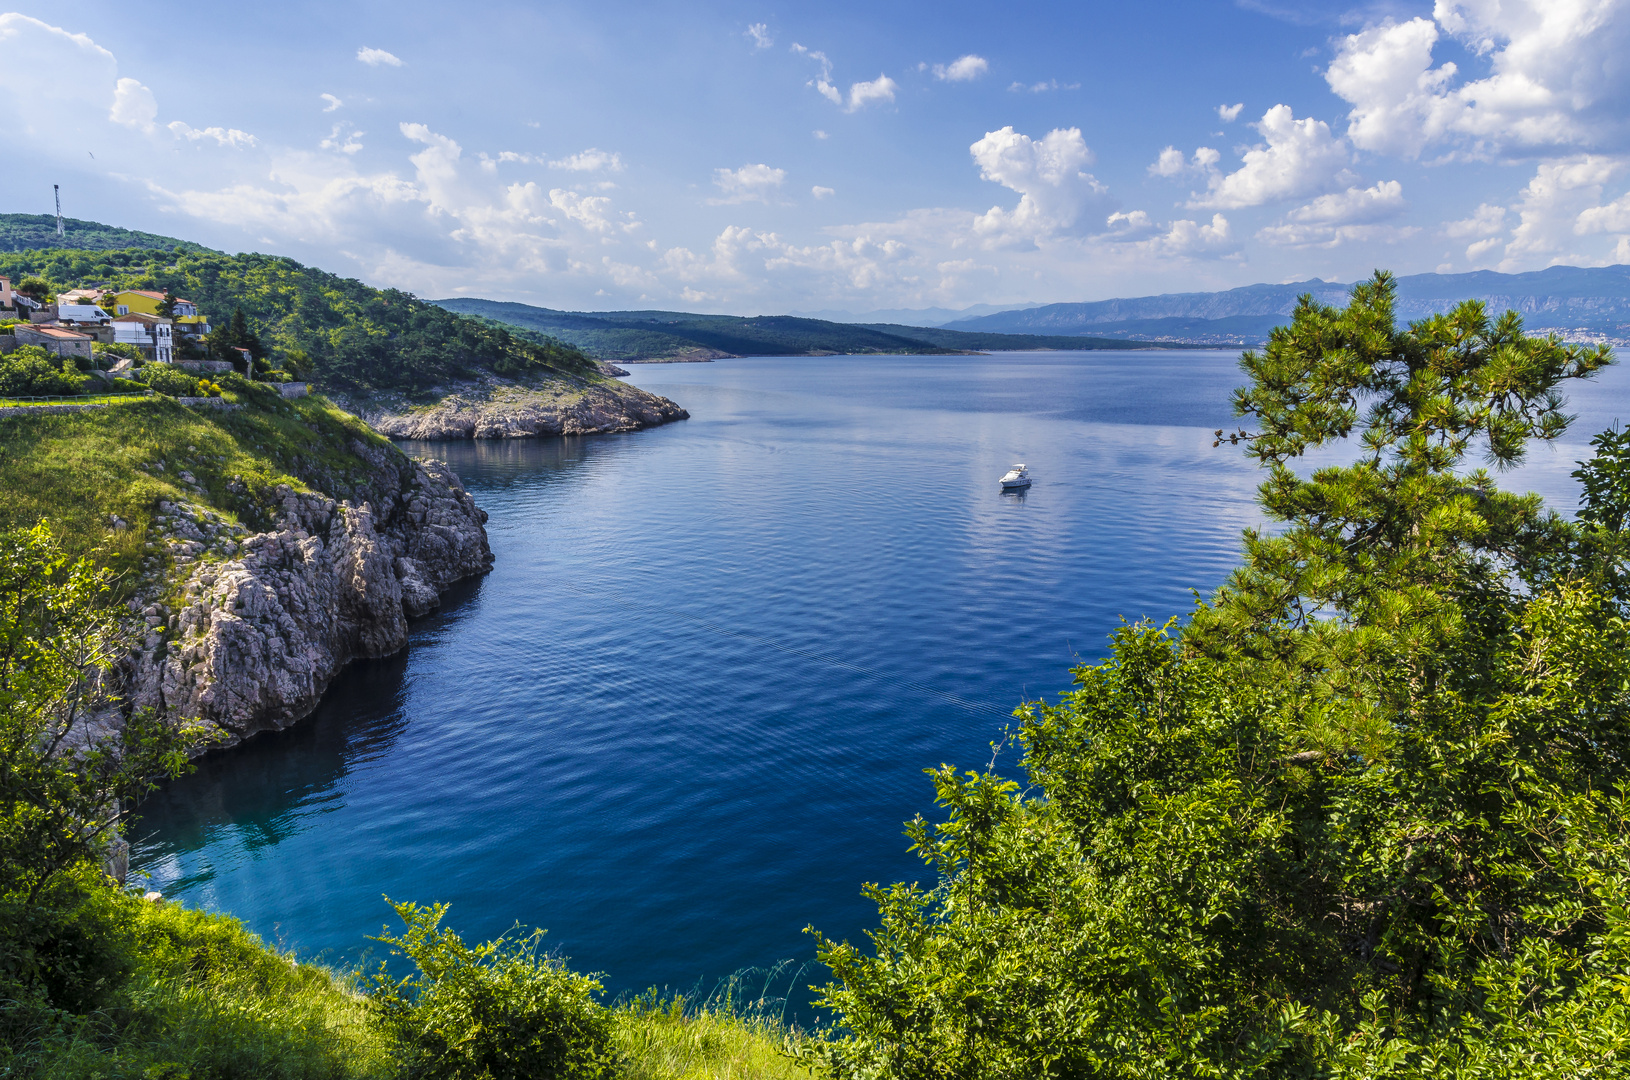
689	709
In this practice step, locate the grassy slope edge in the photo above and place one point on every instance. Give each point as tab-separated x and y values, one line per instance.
161	991
98	475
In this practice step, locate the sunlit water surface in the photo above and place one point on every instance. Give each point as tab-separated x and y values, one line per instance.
686	714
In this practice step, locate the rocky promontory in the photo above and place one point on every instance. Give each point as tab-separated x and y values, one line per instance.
496	408
255	624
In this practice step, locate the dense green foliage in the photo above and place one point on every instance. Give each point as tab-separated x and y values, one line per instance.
1364	816
62	789
337	331
503	1010
646	335
29	232
175	382
30	370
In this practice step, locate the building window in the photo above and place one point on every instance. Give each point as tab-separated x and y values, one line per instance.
124	309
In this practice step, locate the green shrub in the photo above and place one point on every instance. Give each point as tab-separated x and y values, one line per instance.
29	370
498	1011
174	382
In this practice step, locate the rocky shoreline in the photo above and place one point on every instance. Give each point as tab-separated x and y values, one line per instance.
242	631
495	408
247	641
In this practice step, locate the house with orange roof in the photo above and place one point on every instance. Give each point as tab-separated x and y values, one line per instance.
55	339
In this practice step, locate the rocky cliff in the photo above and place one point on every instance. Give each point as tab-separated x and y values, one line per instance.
253	625
501	409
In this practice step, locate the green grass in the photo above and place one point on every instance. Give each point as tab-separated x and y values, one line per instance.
181	994
725	1038
79	470
165	992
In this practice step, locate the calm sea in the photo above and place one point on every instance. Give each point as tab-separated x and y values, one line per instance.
688	711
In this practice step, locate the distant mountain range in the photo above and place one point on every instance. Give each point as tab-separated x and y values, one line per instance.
645	336
931	316
1584	303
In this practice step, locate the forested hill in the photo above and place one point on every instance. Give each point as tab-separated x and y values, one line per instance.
656	335
1588	300
338	332
30	232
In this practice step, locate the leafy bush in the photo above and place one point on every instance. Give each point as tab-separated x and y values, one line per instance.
499	1011
174	382
29	370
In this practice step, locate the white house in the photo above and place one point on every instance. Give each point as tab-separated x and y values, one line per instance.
149	333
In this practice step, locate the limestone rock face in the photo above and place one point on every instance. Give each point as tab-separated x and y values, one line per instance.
516	413
256	638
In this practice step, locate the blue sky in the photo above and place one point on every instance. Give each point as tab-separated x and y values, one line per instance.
748	158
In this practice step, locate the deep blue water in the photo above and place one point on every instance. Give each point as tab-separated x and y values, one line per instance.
688	711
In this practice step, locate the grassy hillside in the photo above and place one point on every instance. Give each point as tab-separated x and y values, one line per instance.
337	331
154	990
98	475
23	232
651	335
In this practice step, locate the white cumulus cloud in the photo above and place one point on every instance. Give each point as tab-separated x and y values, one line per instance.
1171	162
1487	220
376	57
344	138
133	105
333	102
962	69
590	160
1344	216
1555	78
1229	113
223	136
822	192
880	89
1561	203
1299	158
760	33
1049	174
750	183
861	94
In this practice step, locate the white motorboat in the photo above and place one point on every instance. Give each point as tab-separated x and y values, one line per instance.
1017	478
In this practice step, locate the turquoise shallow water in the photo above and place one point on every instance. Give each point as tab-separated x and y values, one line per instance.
688	711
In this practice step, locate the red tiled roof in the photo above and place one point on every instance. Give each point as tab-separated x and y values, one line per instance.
57	332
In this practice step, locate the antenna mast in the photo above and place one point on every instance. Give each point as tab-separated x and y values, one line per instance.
56	190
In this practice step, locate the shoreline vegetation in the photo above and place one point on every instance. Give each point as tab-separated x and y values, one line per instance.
1365	814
